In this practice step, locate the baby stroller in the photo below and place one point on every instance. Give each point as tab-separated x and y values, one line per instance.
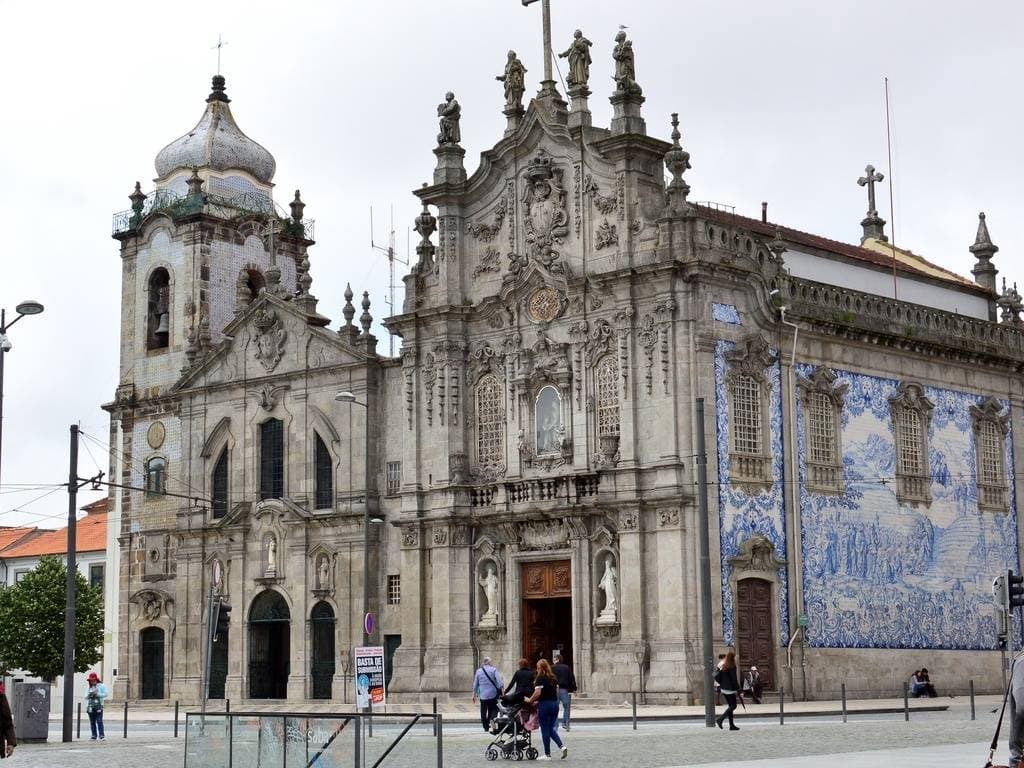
511	736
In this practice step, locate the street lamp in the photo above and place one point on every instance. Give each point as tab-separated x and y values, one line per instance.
27	307
348	397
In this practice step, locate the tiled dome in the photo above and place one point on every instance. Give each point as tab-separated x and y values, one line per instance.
217	142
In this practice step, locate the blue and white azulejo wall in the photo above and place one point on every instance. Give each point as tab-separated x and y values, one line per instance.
880	574
741	513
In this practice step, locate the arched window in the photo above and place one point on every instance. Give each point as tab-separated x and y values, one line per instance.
220	485
324	475
254	281
156	474
911	416
608	397
158	322
490	422
272	459
746	416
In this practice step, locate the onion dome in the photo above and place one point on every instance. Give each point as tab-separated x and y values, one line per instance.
217	142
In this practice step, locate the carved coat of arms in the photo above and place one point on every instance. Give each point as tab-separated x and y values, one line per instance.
544	215
270	339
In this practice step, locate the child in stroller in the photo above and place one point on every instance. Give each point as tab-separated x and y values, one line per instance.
512	730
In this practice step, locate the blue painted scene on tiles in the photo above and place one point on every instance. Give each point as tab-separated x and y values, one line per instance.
726	313
743	512
878	573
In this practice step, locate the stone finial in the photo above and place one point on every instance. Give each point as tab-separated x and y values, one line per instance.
365	320
305	279
194	182
625	65
349	311
777	245
138	198
1016	305
873	224
218	93
984	249
243	294
297	207
677	160
426	225
205	337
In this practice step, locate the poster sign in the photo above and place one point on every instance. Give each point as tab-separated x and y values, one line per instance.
369	675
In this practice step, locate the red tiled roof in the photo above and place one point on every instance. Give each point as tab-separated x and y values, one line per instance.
10	536
91	536
798	237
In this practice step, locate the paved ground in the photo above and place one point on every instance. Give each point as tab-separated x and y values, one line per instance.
945	739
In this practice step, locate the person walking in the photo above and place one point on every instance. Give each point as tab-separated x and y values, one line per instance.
8	741
566	687
94	705
521	683
726	678
487	687
545	695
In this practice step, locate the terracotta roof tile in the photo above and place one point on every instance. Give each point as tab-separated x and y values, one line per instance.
798	237
91	536
10	536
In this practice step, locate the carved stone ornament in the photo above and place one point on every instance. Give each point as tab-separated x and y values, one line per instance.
489	231
605	204
156	434
607	236
991	410
489	261
458	469
270	339
757	554
668	517
823	380
410	536
483	360
267	396
544	305
545	219
628	519
543	534
440	535
911	396
750	358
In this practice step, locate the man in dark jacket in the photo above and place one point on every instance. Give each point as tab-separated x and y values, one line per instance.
566	686
7	739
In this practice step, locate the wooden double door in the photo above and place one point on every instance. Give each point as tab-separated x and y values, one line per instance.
755	628
547	609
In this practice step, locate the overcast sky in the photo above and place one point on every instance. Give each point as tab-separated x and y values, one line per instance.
779	101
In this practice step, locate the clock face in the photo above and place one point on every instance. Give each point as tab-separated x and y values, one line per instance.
156	434
545	305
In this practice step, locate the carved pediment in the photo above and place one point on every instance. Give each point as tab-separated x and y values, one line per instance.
823	381
757	554
991	410
750	357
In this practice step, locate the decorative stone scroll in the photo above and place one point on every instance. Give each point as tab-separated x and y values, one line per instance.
410	536
757	554
543	534
545	220
488	231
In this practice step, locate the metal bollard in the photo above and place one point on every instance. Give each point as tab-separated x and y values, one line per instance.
782	705
844	702
906	703
440	742
435	715
369	720
79	734
125	720
972	699
634	710
175	718
227	705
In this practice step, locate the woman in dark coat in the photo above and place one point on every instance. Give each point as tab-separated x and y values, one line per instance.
7	739
728	680
521	683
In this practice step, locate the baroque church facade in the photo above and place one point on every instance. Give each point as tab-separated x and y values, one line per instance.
522	477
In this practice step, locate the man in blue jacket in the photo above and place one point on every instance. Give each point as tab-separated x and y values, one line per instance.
487	687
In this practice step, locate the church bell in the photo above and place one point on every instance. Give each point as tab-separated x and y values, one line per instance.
164	326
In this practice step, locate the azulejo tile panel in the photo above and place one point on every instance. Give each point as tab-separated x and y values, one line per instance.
726	313
743	514
880	574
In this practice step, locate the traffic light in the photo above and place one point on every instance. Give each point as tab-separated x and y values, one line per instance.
223	621
1014	589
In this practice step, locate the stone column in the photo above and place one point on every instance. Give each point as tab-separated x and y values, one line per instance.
448	661
408	662
626	117
668	651
579	112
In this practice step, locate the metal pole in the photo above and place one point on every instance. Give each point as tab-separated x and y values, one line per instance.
906	703
358	745
78	733
211	625
125	720
70	584
972	699
844	702
707	647
634	710
435	715
369	720
175	718
440	741
3	332
782	705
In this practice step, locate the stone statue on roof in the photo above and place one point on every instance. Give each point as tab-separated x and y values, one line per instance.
514	79
625	66
449	113
579	61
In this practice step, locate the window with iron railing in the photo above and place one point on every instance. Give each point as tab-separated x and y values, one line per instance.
490	422
393	478
394	589
608	397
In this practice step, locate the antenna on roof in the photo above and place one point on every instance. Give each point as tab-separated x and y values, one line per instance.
892	175
392	258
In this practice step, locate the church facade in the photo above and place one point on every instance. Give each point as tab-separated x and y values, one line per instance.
522	477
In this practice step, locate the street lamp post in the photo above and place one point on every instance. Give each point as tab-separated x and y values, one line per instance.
348	397
27	307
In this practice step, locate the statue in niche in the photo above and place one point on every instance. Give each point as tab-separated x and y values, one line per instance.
323	573
449	113
578	55
490	587
272	555
609	584
514	79
548	416
625	66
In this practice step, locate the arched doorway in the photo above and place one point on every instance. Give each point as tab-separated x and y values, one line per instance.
152	659
322	627
755	642
269	648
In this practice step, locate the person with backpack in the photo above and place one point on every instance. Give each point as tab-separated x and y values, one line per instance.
487	687
728	681
94	705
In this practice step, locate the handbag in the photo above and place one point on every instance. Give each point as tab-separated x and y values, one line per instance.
999	724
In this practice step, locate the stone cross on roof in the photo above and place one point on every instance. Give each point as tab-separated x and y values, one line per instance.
873	224
220	44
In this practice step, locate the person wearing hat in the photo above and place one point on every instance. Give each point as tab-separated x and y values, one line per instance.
8	741
487	687
753	685
94	705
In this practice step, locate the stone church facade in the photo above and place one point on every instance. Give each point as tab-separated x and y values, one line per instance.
522	477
